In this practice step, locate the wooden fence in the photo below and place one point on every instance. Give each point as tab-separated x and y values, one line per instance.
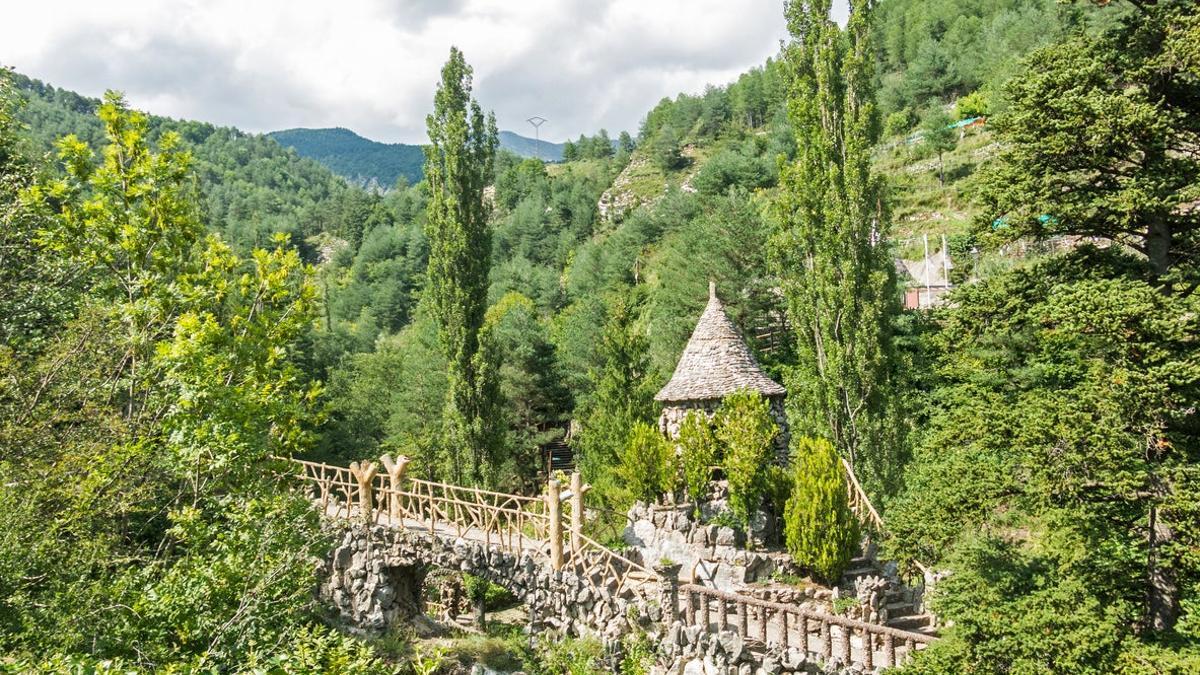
515	523
821	636
860	504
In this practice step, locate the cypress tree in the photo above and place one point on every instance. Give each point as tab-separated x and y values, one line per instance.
821	532
458	165
830	247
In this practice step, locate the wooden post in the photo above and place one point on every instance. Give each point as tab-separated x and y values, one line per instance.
742	609
364	473
577	491
395	472
846	654
689	609
554	508
889	650
783	623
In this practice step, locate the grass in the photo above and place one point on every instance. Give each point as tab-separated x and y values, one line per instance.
921	204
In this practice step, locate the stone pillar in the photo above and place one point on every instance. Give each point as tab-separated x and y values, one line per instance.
670	591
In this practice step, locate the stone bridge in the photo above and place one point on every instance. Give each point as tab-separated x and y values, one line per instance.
389	525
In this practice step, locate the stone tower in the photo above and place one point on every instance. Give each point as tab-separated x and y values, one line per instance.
715	363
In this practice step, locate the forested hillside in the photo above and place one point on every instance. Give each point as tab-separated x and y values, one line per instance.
183	301
377	166
359	160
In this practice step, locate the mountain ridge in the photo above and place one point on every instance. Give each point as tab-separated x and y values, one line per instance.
379	165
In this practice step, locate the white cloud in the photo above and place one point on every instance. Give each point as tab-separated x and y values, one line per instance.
372	65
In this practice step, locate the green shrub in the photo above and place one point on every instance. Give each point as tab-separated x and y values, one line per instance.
565	656
699	448
974	104
645	463
821	532
747	432
899	123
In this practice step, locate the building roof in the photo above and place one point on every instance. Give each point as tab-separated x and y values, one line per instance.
716	361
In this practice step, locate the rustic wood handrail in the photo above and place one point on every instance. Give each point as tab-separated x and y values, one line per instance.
859	502
895	645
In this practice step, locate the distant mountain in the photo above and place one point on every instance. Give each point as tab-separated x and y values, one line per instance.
528	147
366	162
359	160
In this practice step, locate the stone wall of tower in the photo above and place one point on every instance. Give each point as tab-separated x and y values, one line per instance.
673	413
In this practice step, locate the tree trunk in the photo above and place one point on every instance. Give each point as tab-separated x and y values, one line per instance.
1162	591
480	613
1158	247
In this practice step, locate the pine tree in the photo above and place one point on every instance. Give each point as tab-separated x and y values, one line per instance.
821	532
458	165
622	396
830	250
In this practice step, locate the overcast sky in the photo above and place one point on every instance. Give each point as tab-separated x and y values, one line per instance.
372	65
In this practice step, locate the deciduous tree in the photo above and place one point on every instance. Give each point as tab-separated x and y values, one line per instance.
458	165
831	250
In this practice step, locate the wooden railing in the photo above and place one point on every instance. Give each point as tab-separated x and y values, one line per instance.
860	504
514	522
819	635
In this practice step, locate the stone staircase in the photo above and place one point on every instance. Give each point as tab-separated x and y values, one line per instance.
878	588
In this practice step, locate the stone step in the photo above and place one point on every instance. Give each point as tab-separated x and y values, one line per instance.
915	622
901	608
856	572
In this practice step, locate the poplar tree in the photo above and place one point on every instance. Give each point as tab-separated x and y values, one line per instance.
458	164
830	248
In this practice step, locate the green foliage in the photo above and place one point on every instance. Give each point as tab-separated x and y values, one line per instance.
944	48
820	530
898	123
621	397
647	465
458	165
937	136
639	655
698	445
747	434
142	521
724	239
831	252
665	150
1078	113
565	656
359	160
974	104
1061	406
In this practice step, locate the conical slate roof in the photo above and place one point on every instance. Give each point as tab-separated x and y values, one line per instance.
716	361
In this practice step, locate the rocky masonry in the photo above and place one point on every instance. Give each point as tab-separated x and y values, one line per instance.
373	577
